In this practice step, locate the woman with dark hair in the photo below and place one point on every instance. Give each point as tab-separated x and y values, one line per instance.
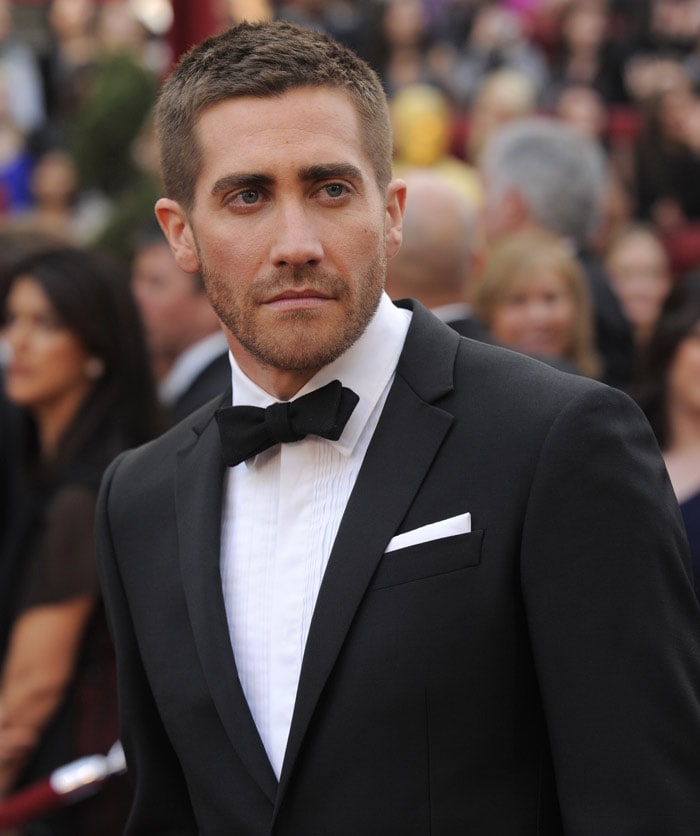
669	393
79	372
639	270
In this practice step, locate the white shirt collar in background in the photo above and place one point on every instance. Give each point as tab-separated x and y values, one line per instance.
452	312
189	365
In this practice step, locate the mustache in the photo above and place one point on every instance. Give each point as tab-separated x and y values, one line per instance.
288	277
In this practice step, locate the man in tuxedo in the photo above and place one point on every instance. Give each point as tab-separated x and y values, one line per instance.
187	346
394	582
439	250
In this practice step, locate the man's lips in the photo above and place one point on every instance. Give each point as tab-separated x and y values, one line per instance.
293	299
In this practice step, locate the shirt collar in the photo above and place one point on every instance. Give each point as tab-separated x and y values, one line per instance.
189	365
366	368
452	312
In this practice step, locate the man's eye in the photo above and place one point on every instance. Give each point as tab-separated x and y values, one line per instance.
335	189
249	197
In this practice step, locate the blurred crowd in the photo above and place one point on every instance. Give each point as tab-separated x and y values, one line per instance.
78	79
552	151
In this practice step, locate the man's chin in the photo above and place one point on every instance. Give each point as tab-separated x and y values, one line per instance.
297	350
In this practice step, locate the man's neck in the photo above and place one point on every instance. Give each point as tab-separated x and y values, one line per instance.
282	385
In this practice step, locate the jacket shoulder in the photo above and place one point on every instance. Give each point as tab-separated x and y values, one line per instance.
518	378
155	460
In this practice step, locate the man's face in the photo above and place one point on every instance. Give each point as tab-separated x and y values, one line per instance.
166	297
289	229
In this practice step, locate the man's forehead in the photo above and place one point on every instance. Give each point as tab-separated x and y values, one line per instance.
300	99
252	124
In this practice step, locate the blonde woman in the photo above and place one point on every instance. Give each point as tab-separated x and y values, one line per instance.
533	298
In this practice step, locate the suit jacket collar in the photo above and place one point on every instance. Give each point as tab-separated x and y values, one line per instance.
428	357
200	474
410	420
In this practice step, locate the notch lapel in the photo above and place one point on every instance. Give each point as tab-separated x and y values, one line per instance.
409	422
199	481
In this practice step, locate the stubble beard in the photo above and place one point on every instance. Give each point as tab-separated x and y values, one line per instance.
299	340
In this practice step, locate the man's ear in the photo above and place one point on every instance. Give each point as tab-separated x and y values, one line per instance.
395	206
176	226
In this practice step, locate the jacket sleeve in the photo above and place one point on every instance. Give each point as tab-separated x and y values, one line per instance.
161	802
615	625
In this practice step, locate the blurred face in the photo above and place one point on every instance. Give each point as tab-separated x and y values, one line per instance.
675	19
70	17
165	295
290	231
583	111
403	21
639	274
585	27
536	315
498	101
675	109
47	367
54	179
684	375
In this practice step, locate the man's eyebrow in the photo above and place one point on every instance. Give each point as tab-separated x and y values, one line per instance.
241	181
252	180
330	171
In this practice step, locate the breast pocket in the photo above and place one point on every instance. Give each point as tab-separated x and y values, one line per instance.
427	560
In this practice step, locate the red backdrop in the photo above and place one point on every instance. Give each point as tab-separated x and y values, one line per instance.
194	20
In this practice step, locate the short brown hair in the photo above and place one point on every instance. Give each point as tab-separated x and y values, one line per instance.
262	60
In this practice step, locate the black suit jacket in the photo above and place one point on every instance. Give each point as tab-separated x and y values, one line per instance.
470	327
210	382
539	675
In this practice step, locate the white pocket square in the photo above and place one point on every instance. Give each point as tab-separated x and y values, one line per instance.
461	524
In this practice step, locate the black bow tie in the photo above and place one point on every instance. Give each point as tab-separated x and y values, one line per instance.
248	430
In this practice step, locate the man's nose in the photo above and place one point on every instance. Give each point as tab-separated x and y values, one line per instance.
296	241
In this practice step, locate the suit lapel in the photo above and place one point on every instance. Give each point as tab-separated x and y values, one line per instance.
199	481
373	514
